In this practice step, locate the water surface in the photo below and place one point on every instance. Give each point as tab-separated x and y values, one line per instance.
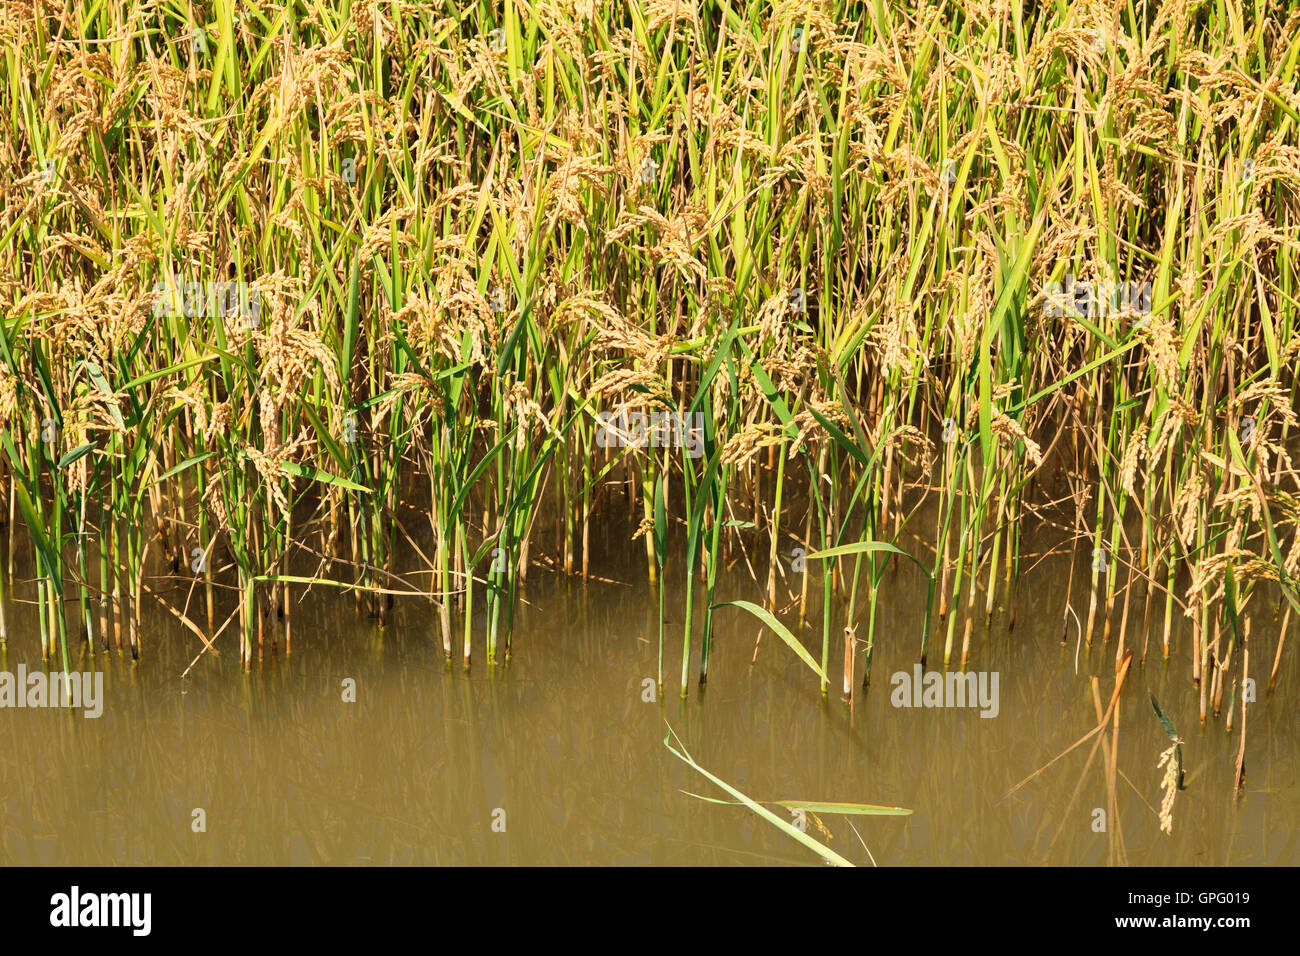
561	740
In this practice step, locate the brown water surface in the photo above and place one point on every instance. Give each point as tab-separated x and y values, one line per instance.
561	740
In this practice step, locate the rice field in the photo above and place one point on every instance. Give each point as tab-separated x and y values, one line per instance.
415	296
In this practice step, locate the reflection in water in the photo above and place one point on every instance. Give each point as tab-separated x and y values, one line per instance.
561	740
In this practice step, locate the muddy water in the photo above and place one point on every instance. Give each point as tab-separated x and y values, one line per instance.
559	747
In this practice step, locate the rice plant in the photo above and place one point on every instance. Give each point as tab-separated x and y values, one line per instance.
926	278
